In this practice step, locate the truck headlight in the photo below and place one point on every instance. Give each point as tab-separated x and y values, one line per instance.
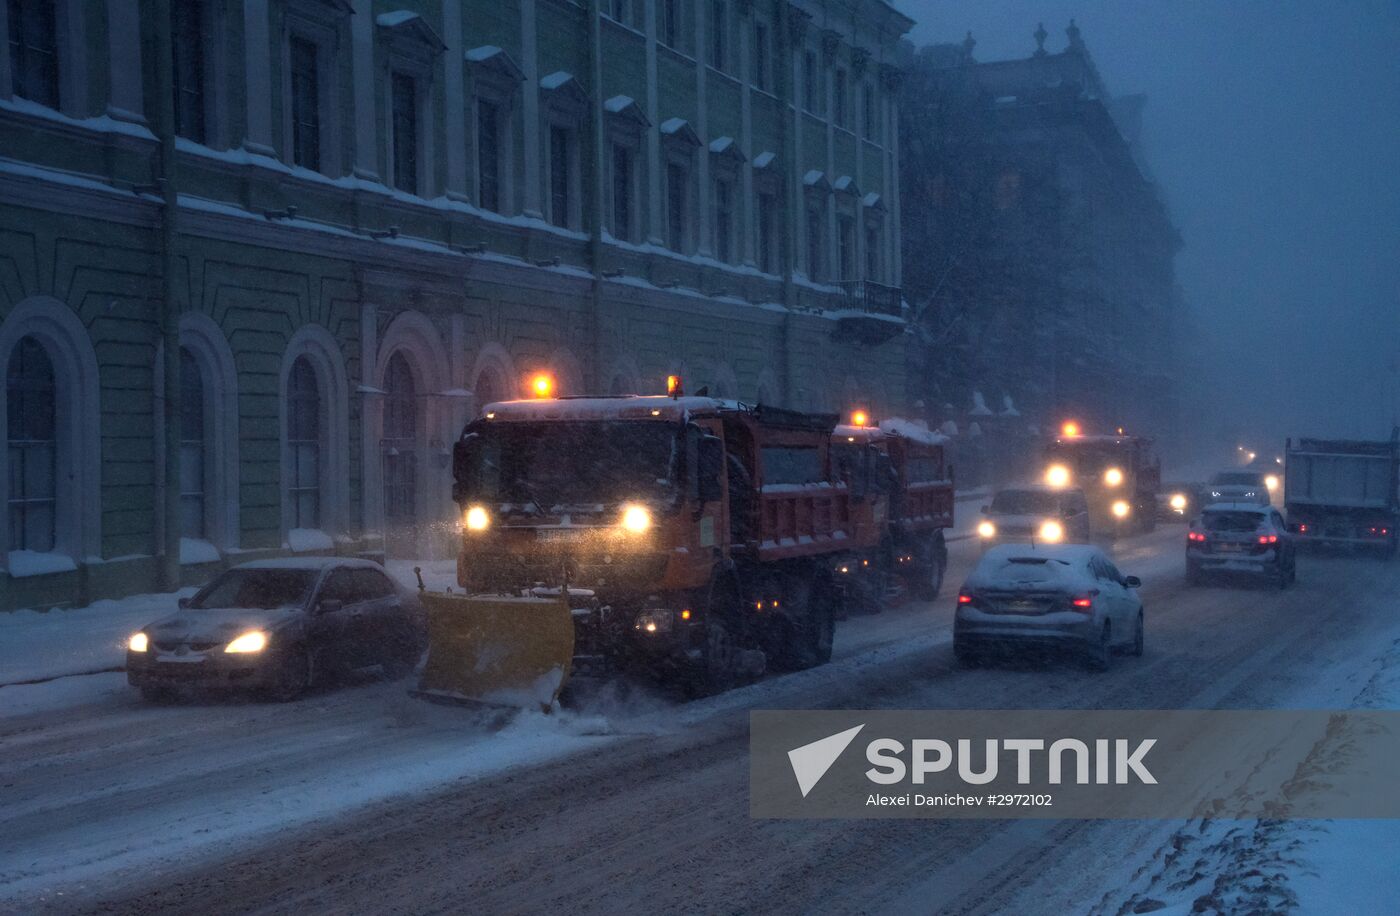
1113	477
252	641
1057	475
477	518
1052	532
654	622
636	519
986	530
138	642
1271	481
1178	502
1121	509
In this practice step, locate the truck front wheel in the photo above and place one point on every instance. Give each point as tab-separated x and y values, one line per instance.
805	638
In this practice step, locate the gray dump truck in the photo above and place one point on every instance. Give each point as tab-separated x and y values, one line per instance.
1344	492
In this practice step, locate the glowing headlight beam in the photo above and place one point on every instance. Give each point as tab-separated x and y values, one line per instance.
1052	532
1057	475
1113	477
252	641
138	642
477	518
1178	502
636	519
986	530
1271	481
1121	509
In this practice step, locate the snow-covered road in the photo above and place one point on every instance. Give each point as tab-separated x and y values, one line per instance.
365	799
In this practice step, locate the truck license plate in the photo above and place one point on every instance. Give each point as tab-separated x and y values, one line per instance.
561	534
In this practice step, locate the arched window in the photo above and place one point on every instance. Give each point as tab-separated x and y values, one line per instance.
31	405
193	450
399	445
488	388
304	443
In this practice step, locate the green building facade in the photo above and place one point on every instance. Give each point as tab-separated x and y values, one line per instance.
371	218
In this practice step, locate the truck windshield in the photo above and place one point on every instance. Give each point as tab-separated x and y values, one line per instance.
1025	502
1092	460
554	463
1237	479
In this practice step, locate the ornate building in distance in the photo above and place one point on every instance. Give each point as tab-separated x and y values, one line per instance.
1039	254
374	216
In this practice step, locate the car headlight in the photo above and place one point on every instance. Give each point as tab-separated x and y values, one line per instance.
252	641
1178	502
138	642
1271	481
1052	532
986	530
1121	509
1057	475
1113	477
477	518
636	519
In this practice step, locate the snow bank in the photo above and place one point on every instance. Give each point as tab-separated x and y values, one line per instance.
303	540
35	645
22	563
193	550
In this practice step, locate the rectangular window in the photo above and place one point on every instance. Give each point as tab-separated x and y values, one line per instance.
809	81
488	155
839	104
846	243
724	220
719	38
622	192
404	91
670	23
676	178
306	103
559	175
872	253
767	233
33	51
790	464
815	241
868	110
760	56
187	57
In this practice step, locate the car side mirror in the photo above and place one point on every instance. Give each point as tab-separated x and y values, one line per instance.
329	606
183	603
1132	582
710	461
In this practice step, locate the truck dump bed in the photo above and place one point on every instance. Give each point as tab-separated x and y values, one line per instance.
1343	473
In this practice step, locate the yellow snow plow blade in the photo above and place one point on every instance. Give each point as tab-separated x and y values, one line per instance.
497	650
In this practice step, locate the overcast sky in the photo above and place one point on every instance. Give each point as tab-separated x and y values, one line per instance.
1274	129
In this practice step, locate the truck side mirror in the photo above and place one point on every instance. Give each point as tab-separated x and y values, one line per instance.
985	509
709	463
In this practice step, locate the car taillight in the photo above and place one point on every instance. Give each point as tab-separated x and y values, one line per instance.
1303	529
1268	538
964	597
1195	537
1082	603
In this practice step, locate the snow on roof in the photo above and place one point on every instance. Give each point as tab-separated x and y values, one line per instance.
914	430
395	18
483	53
555	79
979	406
814	177
1038	566
1008	408
764	159
619	103
1230	506
872	199
626	407
846	184
721	144
671	125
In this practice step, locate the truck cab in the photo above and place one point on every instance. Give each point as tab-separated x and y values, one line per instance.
1119	474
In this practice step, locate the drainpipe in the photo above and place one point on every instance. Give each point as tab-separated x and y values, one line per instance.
170	307
593	374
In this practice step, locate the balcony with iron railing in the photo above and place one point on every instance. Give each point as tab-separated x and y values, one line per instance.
873	298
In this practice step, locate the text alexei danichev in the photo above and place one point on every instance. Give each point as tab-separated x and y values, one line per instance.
990	800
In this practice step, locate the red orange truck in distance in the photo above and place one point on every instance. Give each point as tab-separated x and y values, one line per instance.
1119	474
903	493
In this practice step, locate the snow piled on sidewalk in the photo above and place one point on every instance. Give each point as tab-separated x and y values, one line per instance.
39	645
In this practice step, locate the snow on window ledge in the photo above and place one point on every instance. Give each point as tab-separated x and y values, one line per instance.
302	540
23	563
194	551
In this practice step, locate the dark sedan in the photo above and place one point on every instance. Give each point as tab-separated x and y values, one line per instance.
278	626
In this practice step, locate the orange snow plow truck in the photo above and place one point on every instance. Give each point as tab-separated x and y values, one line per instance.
694	539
